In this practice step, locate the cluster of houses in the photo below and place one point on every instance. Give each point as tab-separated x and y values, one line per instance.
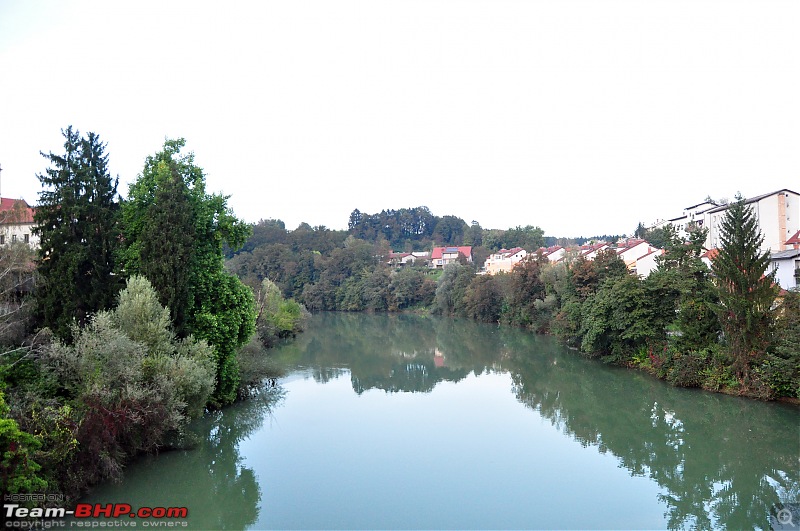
638	255
778	215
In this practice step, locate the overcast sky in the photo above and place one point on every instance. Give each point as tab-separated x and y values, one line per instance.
581	117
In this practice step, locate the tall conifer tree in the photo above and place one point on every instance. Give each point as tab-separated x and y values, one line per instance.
76	219
746	291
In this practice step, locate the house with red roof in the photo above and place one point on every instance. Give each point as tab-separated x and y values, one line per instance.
16	222
553	253
441	256
794	241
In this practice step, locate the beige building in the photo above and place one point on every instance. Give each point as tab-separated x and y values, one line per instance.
16	222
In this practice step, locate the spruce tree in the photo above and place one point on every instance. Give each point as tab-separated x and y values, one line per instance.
76	219
746	291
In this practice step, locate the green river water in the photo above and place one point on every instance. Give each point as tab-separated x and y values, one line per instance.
407	422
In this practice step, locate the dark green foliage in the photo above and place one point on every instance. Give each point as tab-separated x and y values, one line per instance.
781	368
619	318
524	290
19	473
398	227
167	245
746	291
683	283
449	230
205	300
449	299
411	287
483	299
77	222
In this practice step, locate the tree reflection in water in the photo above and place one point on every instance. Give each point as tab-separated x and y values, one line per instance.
210	479
722	461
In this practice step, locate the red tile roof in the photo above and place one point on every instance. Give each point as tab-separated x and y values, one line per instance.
9	208
794	240
439	251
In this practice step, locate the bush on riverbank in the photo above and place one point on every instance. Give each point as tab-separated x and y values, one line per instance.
124	385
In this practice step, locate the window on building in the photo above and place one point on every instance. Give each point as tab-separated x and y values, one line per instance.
27	238
2	239
13	238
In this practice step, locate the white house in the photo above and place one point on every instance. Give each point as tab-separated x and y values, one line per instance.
786	265
590	251
778	215
553	253
646	264
632	250
16	222
504	260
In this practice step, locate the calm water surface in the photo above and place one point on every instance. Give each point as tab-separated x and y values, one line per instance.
395	421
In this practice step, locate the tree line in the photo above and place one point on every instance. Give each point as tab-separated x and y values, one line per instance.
722	329
124	325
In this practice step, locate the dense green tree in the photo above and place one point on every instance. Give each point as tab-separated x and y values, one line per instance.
483	299
746	290
167	244
782	367
218	307
455	279
449	230
683	284
526	287
621	318
77	222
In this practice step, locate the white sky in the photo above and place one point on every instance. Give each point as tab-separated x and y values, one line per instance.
582	117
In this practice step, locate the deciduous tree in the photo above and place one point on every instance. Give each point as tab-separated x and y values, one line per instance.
206	301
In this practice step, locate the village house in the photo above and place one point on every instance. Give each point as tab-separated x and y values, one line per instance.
631	250
407	259
553	253
590	251
16	222
401	259
442	256
644	265
504	260
786	265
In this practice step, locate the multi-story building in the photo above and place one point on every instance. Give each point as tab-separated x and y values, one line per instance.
16	222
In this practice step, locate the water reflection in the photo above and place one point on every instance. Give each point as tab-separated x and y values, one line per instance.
722	461
210	479
704	460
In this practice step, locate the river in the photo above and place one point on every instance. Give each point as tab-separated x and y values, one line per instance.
408	422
